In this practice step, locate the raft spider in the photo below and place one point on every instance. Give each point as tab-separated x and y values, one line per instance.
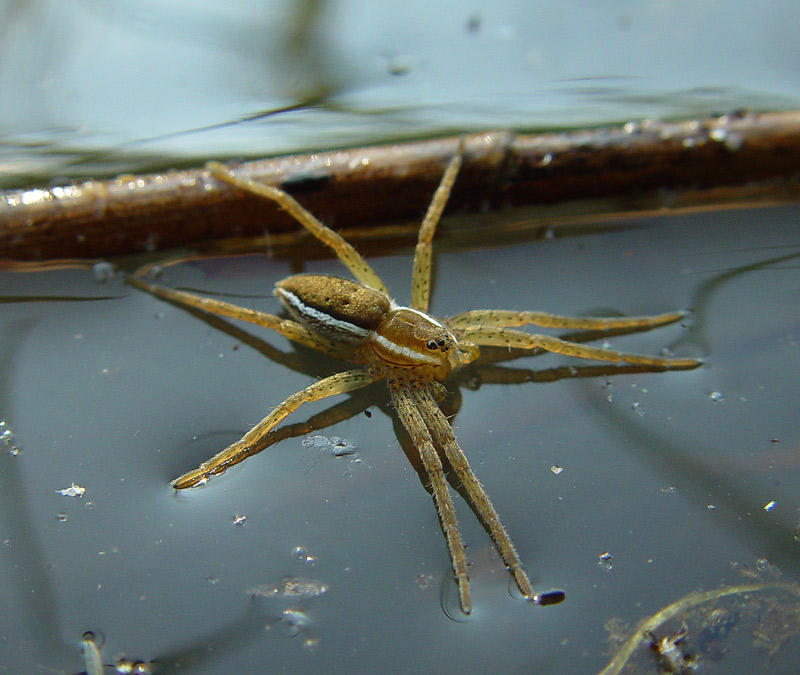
359	322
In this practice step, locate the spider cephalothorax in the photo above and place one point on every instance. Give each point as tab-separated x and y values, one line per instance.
357	321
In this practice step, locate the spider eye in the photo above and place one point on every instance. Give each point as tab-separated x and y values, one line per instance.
431	344
440	342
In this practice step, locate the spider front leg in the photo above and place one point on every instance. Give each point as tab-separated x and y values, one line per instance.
506	337
405	404
344	251
501	318
339	383
421	271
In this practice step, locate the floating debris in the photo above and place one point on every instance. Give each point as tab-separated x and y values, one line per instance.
72	491
239	520
770	505
7	438
339	446
716	396
763	616
290	587
637	408
556	469
671	654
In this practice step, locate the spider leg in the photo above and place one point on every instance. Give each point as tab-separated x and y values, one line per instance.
444	437
421	271
339	383
285	327
343	250
501	318
405	403
505	337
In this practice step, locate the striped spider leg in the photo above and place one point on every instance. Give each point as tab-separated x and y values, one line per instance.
358	322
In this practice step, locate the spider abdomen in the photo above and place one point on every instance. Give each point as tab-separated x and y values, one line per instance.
340	309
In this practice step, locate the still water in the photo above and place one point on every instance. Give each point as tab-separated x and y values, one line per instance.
303	559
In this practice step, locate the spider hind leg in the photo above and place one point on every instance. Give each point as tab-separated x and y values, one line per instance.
407	410
339	383
445	438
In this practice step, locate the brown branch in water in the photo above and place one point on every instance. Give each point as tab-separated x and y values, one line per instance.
650	166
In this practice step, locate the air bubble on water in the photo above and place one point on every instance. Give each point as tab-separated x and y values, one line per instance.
290	587
671	490
301	554
424	581
637	408
310	645
61	517
128	667
762	565
296	621
604	560
716	396
103	272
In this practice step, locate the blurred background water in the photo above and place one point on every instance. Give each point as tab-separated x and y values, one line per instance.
685	480
132	78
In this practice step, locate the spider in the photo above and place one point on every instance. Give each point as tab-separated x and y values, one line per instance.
359	322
